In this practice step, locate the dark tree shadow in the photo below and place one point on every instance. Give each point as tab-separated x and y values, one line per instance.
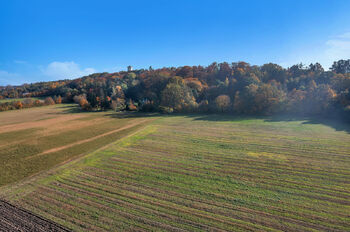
338	123
128	114
220	117
70	108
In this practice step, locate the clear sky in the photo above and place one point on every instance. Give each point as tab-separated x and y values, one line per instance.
50	40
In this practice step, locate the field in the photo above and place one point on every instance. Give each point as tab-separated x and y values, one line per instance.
36	139
184	173
13	218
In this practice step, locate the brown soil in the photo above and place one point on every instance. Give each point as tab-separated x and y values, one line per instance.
13	218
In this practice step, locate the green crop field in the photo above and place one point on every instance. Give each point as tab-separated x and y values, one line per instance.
191	173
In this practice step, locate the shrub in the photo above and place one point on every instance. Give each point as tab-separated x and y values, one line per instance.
49	101
166	110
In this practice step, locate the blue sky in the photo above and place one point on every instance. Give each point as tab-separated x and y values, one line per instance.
50	40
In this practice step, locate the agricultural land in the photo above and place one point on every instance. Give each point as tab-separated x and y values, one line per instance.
106	171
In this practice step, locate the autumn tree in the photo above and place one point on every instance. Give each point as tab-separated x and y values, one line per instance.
176	94
317	68
296	100
49	101
268	99
272	71
28	102
38	102
58	99
244	101
223	103
118	104
84	104
131	106
341	66
320	99
18	105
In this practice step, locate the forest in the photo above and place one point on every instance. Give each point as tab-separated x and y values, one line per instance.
233	88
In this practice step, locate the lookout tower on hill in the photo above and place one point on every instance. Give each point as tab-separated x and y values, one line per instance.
129	68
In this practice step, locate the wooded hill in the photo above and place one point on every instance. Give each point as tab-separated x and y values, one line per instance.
237	88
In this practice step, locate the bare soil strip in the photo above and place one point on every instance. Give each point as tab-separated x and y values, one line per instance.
13	218
132	124
34	124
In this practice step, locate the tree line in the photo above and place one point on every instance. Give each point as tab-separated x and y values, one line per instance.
29	102
236	88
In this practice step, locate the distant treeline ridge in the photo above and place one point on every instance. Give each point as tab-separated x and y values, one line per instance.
237	88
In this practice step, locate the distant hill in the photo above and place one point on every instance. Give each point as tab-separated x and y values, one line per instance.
237	88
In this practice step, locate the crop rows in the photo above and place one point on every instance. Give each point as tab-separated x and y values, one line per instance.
13	218
185	174
37	145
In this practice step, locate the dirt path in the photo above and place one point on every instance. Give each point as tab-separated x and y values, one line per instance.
132	124
13	218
